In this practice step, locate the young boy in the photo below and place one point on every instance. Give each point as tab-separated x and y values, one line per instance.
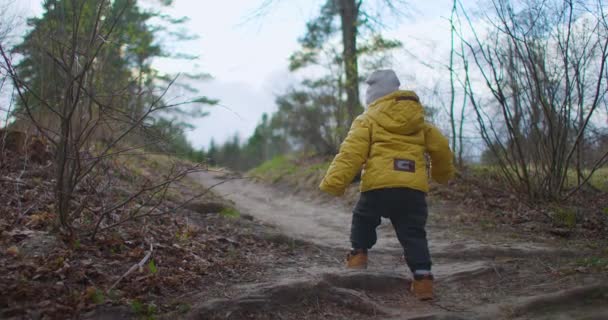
390	140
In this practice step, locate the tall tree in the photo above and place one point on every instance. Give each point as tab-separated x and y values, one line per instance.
349	18
79	82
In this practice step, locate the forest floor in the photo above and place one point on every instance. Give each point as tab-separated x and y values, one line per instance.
516	273
255	250
166	262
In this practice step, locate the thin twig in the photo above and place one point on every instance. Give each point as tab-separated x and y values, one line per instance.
149	213
135	266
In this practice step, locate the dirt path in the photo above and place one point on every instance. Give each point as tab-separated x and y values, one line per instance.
498	279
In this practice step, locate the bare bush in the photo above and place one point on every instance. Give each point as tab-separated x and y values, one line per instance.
88	118
543	64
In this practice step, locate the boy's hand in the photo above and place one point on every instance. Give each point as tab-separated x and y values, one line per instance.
333	191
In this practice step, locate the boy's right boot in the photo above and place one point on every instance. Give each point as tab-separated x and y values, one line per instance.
357	259
422	286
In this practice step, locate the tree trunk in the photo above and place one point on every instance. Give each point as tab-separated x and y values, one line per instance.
349	12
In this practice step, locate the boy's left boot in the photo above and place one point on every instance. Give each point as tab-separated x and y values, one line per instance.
357	259
422	287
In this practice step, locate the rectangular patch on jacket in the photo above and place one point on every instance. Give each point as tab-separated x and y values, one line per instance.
405	165
408	98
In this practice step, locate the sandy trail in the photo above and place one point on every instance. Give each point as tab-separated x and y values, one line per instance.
457	259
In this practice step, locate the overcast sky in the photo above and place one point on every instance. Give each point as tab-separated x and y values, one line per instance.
248	58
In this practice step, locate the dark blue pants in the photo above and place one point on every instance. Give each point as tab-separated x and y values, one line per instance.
407	210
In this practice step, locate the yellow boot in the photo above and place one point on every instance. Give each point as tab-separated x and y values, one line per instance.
357	259
422	287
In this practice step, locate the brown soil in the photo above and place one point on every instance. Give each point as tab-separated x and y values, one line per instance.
197	252
503	275
280	258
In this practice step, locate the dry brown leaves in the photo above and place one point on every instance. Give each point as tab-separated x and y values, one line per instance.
489	197
45	275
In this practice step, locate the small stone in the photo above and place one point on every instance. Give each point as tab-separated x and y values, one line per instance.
12	251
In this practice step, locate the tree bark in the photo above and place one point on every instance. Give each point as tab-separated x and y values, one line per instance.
349	13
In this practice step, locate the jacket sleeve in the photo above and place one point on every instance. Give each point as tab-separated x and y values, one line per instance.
347	163
437	146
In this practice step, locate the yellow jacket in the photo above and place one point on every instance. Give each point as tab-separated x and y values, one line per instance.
390	141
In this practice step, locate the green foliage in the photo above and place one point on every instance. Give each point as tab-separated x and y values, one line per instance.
173	140
184	308
121	77
599	179
596	262
319	167
152	267
114	295
301	171
323	29
230	213
315	115
145	311
275	168
98	297
564	216
265	143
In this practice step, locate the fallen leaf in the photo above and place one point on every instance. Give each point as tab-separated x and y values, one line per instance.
12	251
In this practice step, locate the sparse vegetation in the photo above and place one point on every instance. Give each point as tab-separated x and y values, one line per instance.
274	169
230	213
103	213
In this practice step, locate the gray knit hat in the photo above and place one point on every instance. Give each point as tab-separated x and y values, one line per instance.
381	83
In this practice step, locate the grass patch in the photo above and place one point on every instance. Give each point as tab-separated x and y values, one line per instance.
599	179
300	170
152	268
563	216
230	213
274	169
594	263
319	167
146	311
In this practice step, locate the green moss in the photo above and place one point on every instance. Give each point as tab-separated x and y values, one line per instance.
230	213
600	180
596	262
144	311
152	268
98	297
183	308
564	216
320	167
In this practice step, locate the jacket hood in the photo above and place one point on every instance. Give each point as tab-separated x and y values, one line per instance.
399	112
380	83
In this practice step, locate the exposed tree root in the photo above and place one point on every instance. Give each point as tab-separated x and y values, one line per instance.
343	289
587	296
442	316
373	282
491	252
467	274
563	299
339	289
